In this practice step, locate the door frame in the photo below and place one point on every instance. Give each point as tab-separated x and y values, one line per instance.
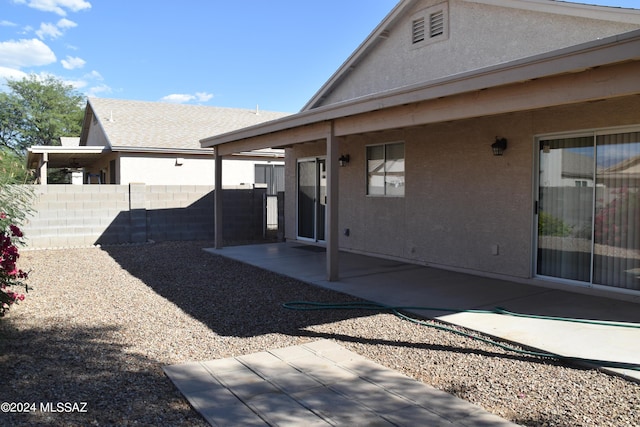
318	180
594	132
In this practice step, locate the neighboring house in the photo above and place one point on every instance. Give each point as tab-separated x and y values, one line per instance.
394	156
154	143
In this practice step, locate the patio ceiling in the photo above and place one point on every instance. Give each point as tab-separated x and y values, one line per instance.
64	157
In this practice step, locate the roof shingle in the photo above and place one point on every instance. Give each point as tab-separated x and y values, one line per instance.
158	125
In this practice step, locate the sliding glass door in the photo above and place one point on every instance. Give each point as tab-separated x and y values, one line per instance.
312	199
589	209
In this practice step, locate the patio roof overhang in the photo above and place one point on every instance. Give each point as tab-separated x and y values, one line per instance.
598	70
42	157
63	156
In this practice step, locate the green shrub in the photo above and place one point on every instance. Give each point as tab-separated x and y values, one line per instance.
549	225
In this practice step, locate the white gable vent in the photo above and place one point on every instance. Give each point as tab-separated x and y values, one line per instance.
436	24
430	25
418	30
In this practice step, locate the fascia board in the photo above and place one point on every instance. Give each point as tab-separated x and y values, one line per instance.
196	151
39	149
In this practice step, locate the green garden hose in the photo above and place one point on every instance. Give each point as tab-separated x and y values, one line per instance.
397	310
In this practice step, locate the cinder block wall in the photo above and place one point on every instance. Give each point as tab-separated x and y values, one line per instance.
84	215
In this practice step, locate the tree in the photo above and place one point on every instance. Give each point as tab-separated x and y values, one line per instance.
13	169
38	112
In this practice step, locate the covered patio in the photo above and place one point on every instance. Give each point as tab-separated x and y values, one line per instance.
520	99
431	292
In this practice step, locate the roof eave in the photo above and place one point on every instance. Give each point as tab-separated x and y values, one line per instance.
206	151
610	50
614	14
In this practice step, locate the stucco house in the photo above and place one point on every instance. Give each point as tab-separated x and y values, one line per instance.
477	136
155	143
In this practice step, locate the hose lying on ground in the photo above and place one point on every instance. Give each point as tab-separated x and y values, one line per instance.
398	311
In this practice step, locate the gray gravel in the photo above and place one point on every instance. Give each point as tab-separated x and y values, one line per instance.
101	322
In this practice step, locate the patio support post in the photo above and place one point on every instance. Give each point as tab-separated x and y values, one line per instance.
333	149
44	160
217	195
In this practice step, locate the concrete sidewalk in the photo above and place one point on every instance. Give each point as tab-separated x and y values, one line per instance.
399	284
318	384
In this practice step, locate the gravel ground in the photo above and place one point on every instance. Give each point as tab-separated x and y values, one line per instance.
101	322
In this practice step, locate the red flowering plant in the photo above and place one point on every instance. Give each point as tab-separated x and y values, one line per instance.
11	278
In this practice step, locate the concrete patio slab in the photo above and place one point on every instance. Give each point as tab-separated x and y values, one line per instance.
398	284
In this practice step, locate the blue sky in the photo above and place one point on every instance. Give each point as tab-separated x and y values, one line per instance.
275	54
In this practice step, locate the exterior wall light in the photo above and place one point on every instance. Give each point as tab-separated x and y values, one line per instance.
499	146
343	160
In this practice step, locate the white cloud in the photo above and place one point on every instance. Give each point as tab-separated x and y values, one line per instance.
98	90
77	84
11	73
54	30
203	96
25	53
73	62
178	98
66	23
90	84
181	98
94	75
57	6
48	30
5	23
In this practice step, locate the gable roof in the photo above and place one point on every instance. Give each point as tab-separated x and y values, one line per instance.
623	50
622	20
157	126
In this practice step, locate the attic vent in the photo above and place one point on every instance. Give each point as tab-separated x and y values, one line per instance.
430	25
436	24
418	30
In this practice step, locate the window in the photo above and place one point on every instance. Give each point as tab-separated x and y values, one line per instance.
430	25
385	170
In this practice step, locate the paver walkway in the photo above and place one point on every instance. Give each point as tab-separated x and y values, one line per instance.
317	384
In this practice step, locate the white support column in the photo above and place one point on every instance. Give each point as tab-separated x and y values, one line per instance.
218	201
333	149
43	168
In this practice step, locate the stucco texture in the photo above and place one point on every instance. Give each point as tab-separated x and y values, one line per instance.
461	203
479	35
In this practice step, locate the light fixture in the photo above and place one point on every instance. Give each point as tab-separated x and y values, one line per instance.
499	146
343	160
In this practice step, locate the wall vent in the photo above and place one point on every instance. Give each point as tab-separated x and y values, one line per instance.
418	30
436	24
430	25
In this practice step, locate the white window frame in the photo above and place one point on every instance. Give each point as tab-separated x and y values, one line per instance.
404	169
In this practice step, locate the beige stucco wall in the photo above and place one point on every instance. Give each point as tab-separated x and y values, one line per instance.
480	35
194	170
460	201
